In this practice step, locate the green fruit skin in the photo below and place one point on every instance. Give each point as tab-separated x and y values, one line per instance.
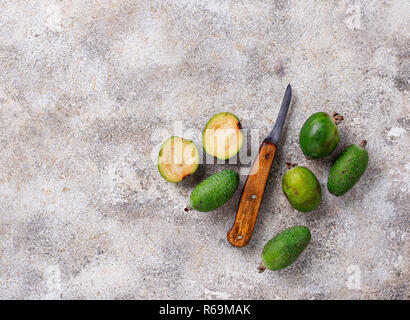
302	189
285	248
319	136
214	191
347	169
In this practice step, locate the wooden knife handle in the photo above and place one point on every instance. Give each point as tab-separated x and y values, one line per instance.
251	198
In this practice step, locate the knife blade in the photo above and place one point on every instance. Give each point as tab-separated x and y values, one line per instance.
254	188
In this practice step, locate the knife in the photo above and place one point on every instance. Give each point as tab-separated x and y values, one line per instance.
248	209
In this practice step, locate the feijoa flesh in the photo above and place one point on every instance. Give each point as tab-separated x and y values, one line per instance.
222	137
281	251
302	189
214	191
348	169
177	159
319	135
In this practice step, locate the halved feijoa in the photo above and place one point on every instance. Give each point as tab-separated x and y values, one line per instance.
319	135
177	159
222	137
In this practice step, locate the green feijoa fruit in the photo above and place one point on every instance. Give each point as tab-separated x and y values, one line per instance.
281	251
222	137
214	191
177	159
348	169
302	189
319	135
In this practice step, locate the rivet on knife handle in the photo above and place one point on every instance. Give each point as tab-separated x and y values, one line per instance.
248	209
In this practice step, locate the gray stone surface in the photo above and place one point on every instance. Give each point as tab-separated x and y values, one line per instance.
88	89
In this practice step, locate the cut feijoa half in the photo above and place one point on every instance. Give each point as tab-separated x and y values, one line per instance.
177	159
222	137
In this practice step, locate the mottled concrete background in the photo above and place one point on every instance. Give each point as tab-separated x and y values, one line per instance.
88	89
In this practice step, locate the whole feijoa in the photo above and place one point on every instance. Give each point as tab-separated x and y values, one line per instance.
302	189
319	135
177	159
281	251
222	137
348	169
214	191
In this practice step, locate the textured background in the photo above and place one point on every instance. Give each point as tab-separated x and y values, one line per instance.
88	89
